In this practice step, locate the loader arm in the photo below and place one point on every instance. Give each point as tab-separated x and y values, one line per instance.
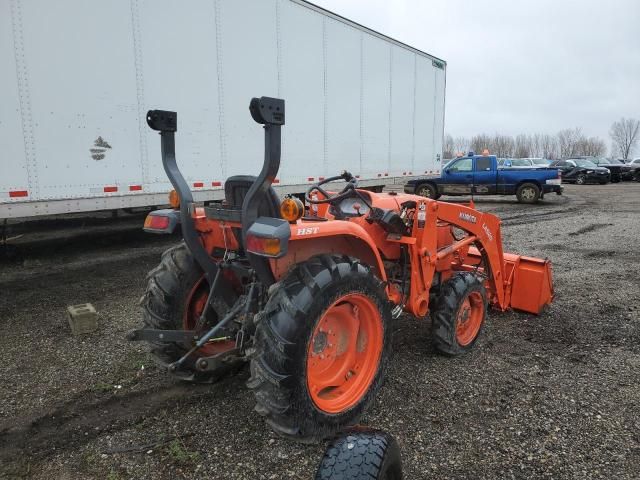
512	281
485	234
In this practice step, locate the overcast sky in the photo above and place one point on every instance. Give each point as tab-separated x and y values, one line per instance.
521	66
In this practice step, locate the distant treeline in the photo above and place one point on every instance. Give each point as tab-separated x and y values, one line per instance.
624	133
565	143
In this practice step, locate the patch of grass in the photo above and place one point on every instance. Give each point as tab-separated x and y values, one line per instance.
102	387
135	360
89	458
113	475
179	454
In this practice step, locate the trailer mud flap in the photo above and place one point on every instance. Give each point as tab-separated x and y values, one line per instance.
529	285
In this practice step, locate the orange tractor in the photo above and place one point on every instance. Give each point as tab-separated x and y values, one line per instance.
307	292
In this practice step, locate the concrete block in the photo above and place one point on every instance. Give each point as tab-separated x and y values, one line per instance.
83	318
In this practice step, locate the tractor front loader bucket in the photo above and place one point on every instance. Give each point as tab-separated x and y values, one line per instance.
529	283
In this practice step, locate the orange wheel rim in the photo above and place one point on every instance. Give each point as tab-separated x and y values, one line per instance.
344	352
195	303
469	318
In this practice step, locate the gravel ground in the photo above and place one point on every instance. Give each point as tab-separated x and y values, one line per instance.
554	396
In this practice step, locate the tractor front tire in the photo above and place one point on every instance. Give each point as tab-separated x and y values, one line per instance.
322	347
458	314
361	454
169	300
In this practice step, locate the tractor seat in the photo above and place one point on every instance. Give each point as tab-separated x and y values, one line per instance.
237	187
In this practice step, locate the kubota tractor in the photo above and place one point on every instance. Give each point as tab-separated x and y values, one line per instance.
308	293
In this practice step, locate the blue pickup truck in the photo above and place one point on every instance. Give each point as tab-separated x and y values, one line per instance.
480	175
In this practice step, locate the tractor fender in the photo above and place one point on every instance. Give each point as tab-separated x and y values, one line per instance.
309	239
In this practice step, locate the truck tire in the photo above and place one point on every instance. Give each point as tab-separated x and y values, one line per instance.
528	193
322	348
173	300
459	313
428	190
581	179
361	455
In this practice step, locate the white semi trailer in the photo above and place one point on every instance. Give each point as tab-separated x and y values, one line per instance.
78	77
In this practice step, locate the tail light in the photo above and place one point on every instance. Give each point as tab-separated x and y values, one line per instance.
161	221
268	237
269	247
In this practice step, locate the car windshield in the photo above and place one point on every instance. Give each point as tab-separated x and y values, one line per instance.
540	161
585	163
520	162
611	162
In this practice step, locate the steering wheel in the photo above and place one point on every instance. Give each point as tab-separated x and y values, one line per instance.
346	192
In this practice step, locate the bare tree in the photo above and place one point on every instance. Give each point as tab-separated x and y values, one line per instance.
523	146
502	145
448	147
461	144
480	142
568	140
536	145
592	146
624	135
549	147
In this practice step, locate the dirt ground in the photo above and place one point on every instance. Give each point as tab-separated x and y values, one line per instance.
555	396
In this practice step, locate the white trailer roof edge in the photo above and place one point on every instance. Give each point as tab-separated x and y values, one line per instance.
375	33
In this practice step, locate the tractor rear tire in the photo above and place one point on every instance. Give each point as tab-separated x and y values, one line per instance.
459	314
361	454
170	289
528	193
322	345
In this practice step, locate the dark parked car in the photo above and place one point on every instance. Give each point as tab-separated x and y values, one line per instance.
634	165
581	171
619	171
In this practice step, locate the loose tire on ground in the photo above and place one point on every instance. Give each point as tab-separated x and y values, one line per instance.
459	313
322	347
169	299
528	193
361	455
428	190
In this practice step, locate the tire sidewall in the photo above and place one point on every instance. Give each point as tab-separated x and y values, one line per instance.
581	179
524	186
296	331
453	347
329	295
164	306
179	300
469	291
432	190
